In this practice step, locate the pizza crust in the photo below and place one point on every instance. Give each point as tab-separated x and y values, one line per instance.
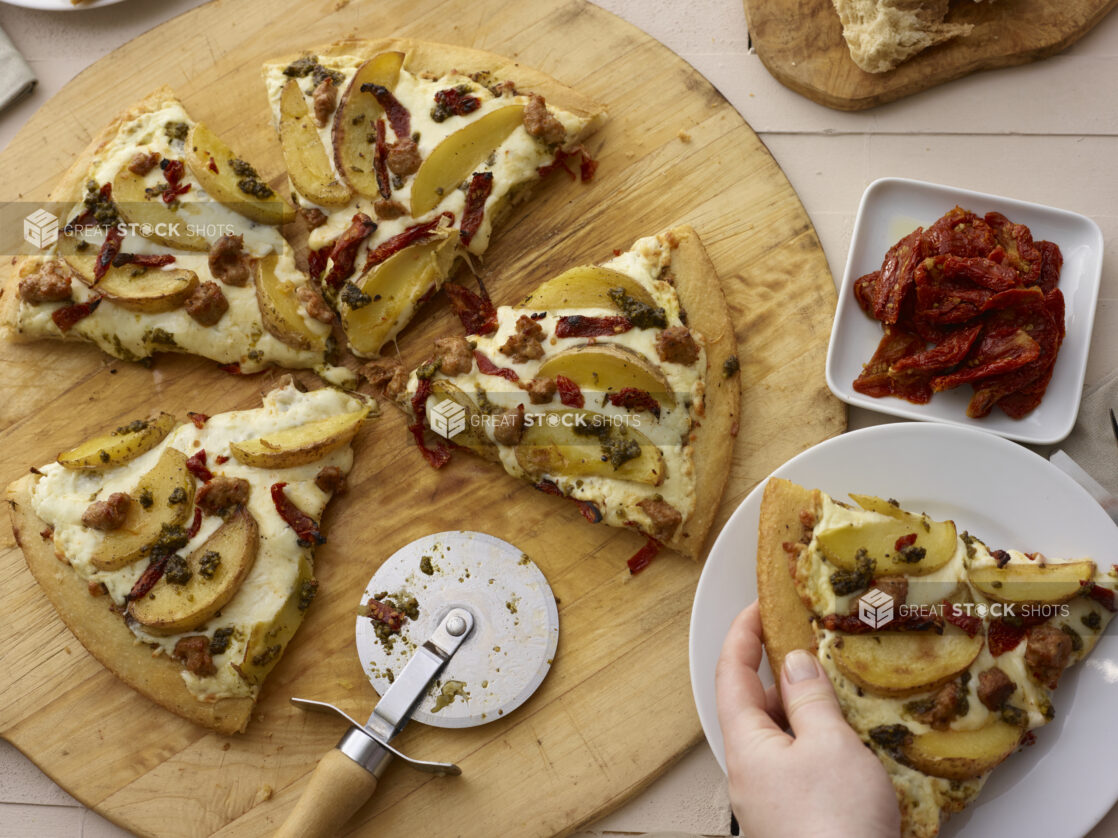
701	296
104	634
785	620
440	59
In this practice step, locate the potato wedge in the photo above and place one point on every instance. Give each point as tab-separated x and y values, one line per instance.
457	156
961	754
1018	582
130	286
216	569
585	287
299	445
607	368
223	175
267	640
161	500
155	220
307	162
880	536
905	662
563	442
355	117
472	436
280	310
122	445
395	289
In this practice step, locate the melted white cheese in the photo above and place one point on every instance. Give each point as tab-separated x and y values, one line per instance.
61	496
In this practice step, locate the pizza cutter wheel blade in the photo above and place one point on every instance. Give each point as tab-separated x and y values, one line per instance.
479	636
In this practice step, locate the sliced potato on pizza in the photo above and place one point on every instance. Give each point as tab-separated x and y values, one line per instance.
403	155
942	669
169	242
181	566
626	403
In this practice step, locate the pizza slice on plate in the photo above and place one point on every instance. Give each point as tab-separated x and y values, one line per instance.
614	385
180	555
943	652
168	242
403	155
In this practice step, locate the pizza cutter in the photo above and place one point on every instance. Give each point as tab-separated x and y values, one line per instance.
479	635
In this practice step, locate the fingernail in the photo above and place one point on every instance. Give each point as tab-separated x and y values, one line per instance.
800	665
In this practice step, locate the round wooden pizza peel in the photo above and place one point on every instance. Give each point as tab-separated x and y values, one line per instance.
616	710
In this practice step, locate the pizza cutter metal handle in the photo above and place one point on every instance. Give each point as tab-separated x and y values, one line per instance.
347	776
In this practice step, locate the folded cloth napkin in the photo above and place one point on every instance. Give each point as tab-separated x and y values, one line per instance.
16	78
1091	442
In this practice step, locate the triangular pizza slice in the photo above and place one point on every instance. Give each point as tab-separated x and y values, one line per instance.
181	555
613	385
402	157
943	652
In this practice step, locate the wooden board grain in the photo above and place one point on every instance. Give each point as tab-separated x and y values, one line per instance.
800	42
616	709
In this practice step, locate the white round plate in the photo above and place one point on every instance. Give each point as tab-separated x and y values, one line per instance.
1007	496
61	5
894	207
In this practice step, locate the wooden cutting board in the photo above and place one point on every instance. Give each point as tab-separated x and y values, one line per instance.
801	44
616	709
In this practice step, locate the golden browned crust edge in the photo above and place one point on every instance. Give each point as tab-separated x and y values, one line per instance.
104	634
701	296
439	59
67	192
785	620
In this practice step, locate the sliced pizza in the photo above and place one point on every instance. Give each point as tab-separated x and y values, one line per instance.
943	652
181	555
403	155
169	242
614	385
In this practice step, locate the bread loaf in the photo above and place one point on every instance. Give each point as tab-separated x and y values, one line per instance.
883	33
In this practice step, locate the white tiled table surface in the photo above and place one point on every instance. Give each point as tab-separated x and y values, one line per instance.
1044	132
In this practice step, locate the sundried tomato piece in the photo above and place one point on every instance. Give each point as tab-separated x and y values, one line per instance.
196	465
878	377
476	312
948	352
110	247
1003	637
864	291
144	260
1103	596
416	234
1051	262
981	271
487	367
961	232
318	259
1000	349
644	556
399	117
898	277
152	574
306	529
382	612
970	623
481	185
380	160
580	326
632	398
570	394
67	317
173	171
195	524
439	455
344	252
1015	240
587	165
199	419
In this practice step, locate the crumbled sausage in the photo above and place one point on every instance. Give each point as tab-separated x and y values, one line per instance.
403	157
1047	652
143	163
676	345
527	343
387	210
325	97
194	653
49	284
220	495
386	376
540	123
107	514
312	301
994	688
229	262
948	703
313	217
508	426
207	304
541	390
455	355
665	518
331	480
895	586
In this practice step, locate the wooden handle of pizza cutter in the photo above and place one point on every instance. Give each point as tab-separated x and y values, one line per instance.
338	788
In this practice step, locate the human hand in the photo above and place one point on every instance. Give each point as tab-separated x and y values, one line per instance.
823	781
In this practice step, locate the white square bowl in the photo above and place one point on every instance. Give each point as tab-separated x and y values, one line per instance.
893	207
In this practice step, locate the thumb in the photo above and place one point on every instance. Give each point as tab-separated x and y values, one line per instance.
809	699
